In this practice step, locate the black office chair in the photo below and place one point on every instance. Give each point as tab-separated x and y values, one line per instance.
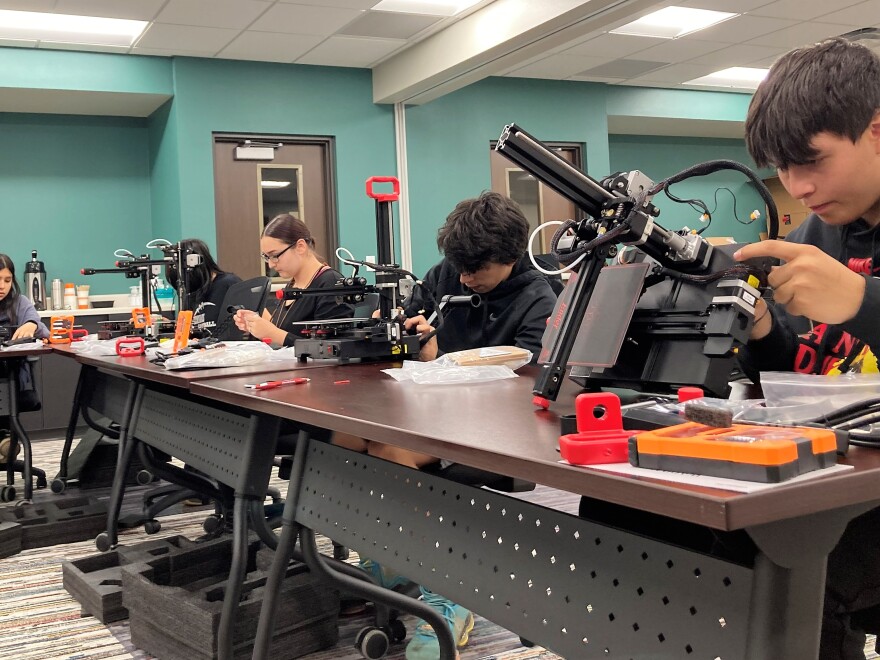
250	294
14	400
185	484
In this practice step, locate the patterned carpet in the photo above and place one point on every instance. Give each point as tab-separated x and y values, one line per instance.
40	621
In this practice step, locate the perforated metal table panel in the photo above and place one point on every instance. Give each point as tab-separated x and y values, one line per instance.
581	589
226	445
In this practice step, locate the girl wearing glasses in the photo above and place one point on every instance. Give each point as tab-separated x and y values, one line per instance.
288	247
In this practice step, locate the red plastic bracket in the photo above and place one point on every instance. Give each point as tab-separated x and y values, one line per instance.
600	437
383	197
130	346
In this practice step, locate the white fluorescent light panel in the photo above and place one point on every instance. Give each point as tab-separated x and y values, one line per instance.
673	22
427	7
739	77
274	184
70	29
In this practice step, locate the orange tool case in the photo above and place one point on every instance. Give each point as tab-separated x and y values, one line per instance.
768	454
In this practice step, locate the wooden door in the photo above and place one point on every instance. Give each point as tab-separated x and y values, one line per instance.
249	193
538	202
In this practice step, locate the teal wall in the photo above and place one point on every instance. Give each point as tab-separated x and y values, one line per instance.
75	189
29	68
248	97
661	157
124	181
448	142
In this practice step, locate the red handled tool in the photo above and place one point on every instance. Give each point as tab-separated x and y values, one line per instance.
600	437
272	384
129	346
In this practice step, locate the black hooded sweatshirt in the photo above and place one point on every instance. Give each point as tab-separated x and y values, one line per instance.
513	313
825	347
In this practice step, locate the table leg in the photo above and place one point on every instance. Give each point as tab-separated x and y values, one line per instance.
789	586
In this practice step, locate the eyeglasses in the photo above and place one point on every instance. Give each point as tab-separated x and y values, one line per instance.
275	257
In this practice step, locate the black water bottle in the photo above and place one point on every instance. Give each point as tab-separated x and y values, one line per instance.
35	282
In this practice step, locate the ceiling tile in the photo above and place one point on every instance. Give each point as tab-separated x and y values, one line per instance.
800	10
269	46
675	73
350	51
740	29
138	10
389	25
739	55
18	43
342	4
802	34
597	79
212	13
170	52
94	48
678	50
612	46
302	19
861	15
186	37
557	67
624	68
736	6
28	5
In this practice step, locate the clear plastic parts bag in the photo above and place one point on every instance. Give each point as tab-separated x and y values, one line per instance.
226	354
450	368
795	398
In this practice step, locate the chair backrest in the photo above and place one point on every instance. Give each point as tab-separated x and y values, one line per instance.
250	294
365	309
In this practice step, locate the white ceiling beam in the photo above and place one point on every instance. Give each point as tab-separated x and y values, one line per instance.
490	41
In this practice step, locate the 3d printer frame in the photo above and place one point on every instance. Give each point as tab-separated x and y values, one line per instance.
380	338
694	308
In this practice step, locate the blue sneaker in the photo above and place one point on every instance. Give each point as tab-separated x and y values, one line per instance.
384	576
424	644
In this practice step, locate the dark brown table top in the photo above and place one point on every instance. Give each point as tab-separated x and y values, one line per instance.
495	426
140	367
24	351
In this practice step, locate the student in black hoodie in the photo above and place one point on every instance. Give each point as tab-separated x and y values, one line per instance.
484	243
816	118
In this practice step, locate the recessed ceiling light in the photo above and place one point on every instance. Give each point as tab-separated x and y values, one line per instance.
740	77
673	22
66	28
428	7
274	184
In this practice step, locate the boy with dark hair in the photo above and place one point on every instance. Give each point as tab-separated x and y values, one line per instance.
816	118
484	242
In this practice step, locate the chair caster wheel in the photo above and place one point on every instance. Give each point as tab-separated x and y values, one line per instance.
152	526
7	493
525	642
212	524
58	486
340	552
397	630
144	477
102	542
372	642
41	483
